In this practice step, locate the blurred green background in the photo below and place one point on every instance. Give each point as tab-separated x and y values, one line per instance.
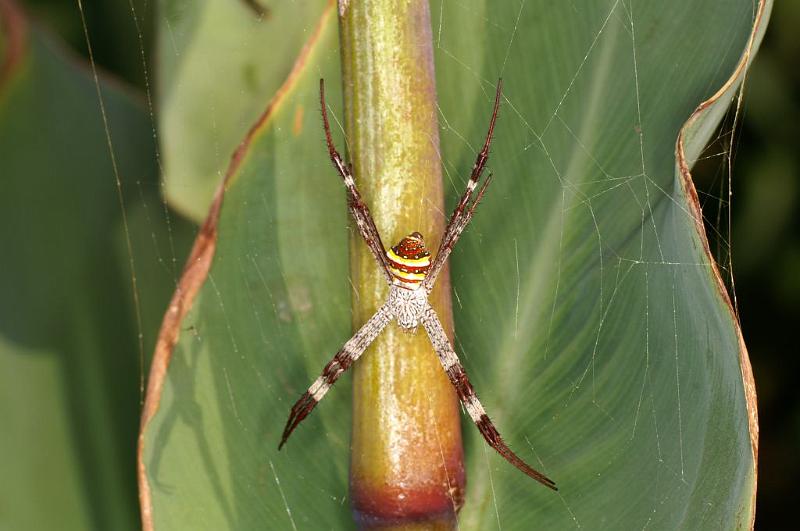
764	240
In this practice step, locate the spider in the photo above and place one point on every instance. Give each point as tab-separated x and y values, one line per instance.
410	274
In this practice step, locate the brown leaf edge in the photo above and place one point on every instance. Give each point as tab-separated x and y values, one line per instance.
15	29
738	76
196	270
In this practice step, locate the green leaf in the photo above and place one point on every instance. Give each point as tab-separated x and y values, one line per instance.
70	361
219	61
589	312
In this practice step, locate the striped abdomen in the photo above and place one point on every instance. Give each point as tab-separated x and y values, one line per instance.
409	260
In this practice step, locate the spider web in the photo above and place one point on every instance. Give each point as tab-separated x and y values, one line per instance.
597	370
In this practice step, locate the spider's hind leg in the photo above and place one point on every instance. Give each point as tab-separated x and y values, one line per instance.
466	394
342	361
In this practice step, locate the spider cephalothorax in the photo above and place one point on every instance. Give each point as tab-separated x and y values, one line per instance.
410	275
407	305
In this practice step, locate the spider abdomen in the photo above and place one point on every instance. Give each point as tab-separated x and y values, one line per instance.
409	260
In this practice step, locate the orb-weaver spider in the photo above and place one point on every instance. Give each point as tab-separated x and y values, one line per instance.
410	275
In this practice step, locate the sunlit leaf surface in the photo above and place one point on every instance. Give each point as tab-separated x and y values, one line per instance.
220	61
587	309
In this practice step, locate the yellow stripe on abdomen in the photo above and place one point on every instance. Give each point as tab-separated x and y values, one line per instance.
410	262
407	277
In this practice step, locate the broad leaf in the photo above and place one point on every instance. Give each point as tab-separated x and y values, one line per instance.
588	309
219	62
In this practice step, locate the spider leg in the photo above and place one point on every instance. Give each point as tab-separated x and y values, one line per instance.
458	377
358	209
455	231
463	211
342	361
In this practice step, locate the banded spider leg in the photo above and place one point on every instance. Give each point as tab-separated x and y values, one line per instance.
464	210
358	209
342	361
466	394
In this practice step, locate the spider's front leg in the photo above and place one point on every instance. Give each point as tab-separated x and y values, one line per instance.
466	206
466	394
342	361
355	204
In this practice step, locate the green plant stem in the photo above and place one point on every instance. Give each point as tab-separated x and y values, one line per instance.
407	458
